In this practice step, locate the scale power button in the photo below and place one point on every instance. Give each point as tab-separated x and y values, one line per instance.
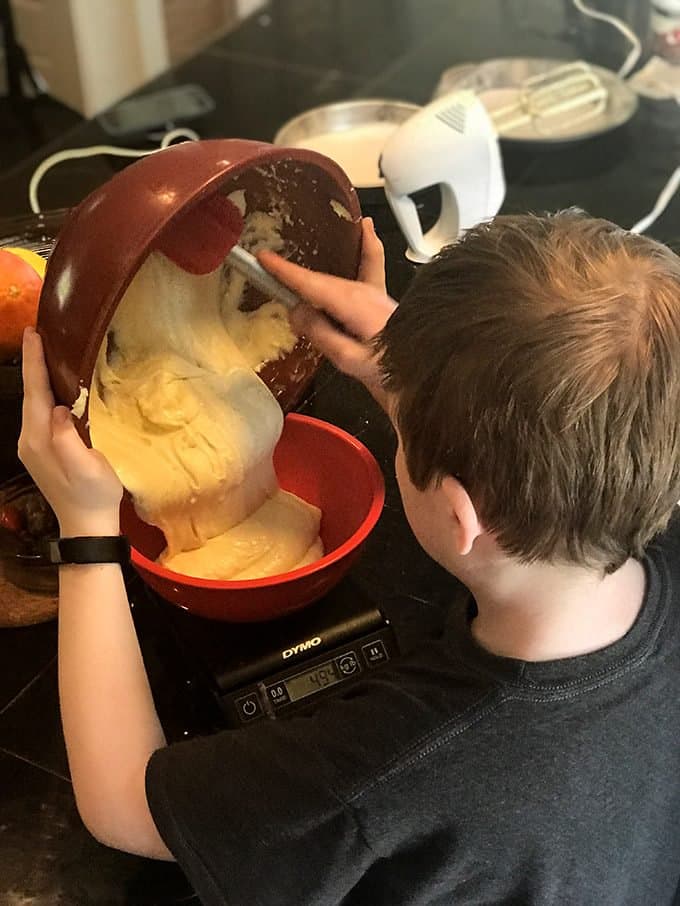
248	707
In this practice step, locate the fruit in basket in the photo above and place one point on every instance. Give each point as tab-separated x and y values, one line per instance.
28	581
28	517
11	518
20	286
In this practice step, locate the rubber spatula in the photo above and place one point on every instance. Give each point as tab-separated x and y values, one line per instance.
199	240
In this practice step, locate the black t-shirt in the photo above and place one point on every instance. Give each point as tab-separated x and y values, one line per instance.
450	777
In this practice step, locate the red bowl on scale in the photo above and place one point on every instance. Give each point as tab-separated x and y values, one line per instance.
320	463
100	248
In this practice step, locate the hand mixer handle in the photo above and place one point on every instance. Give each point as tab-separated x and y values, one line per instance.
424	246
449	143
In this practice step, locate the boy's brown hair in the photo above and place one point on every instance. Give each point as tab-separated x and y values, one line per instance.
538	360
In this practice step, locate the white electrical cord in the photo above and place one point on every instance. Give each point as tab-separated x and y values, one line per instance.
636	47
629	63
92	151
661	203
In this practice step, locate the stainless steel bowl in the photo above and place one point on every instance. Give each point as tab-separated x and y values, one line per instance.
343	117
491	76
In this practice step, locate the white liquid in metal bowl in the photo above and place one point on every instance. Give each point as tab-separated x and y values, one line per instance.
356	150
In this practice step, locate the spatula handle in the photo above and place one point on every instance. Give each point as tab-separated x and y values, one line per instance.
250	267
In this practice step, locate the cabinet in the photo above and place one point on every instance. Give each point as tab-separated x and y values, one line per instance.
90	53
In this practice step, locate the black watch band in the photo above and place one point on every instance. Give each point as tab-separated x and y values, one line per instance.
96	549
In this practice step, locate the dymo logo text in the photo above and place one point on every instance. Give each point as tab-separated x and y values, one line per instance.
303	646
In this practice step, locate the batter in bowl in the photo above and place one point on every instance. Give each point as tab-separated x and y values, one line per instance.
177	408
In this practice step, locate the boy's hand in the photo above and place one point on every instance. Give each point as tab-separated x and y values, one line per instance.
360	309
78	483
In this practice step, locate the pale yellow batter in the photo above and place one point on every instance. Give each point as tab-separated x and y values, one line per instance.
178	410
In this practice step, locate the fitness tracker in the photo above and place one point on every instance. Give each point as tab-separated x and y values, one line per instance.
113	549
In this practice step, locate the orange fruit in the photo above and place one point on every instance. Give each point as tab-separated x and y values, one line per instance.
36	261
20	287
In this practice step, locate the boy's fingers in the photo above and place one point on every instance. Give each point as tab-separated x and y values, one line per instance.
34	370
73	455
372	267
306	320
345	352
38	399
69	449
349	303
320	290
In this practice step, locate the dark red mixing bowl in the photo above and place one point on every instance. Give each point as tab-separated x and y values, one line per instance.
106	238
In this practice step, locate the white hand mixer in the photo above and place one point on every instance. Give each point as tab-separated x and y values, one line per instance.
453	143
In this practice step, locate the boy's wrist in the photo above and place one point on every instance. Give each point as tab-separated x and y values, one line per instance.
90	524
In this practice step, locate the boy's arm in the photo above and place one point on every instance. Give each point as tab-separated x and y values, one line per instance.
110	723
360	307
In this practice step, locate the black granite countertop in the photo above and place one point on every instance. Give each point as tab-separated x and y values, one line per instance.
293	55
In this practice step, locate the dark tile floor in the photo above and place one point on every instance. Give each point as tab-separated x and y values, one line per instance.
50	860
293	55
26	652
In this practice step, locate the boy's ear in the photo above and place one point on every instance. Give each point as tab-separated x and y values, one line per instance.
466	523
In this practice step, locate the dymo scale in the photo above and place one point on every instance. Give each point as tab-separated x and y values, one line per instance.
270	670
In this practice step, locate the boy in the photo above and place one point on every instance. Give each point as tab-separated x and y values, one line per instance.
531	754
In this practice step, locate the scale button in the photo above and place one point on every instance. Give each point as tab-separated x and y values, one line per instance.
248	707
374	653
278	694
348	663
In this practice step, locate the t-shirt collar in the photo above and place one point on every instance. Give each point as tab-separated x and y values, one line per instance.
579	670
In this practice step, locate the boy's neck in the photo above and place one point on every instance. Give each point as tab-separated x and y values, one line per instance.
541	612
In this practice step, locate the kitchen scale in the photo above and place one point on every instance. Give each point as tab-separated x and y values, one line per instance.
258	671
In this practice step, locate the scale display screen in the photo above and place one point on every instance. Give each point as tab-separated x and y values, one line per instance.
314	680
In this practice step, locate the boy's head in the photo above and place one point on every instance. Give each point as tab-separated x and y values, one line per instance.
538	361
